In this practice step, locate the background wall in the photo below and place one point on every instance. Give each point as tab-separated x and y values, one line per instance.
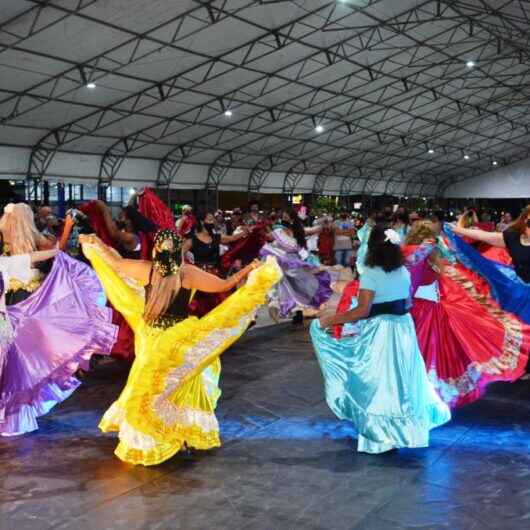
511	182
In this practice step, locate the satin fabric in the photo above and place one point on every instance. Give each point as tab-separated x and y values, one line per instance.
303	286
55	331
91	210
156	211
466	340
506	288
171	392
500	255
377	380
247	249
363	235
124	346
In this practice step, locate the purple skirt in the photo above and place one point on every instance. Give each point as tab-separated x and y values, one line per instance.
54	333
303	286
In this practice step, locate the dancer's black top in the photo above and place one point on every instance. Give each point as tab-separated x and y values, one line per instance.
206	253
519	253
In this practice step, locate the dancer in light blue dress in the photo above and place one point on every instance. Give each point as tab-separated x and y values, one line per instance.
376	378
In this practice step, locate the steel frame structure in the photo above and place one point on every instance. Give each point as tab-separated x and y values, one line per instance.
386	83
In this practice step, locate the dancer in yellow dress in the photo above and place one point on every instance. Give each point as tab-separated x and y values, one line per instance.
169	400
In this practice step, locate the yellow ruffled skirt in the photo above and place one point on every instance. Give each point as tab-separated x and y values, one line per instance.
171	393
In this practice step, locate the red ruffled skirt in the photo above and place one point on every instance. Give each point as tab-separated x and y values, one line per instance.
467	340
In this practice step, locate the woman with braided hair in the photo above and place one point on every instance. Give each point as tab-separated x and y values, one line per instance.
170	397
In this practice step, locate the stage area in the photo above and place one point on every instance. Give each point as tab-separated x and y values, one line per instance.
286	463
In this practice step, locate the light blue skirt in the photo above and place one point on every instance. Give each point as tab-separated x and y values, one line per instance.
377	380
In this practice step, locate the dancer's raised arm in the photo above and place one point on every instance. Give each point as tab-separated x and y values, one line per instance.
43	255
494	239
138	270
194	278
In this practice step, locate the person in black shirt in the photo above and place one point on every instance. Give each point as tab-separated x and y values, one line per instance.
201	248
516	239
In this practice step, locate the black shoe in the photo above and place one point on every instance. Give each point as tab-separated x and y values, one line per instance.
298	319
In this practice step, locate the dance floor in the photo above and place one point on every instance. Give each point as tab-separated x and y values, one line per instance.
286	463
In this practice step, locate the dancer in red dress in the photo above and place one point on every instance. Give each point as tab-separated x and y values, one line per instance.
466	339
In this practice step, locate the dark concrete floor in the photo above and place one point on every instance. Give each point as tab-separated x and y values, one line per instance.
286	463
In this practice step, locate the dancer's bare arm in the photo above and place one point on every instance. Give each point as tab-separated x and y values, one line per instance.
494	239
365	300
195	278
139	270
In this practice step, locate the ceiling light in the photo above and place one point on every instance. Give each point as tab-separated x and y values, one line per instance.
228	112
466	157
319	128
91	86
470	64
431	151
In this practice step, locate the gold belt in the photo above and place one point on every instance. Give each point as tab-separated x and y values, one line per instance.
33	285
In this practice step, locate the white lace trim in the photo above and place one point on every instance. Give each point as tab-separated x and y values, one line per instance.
128	434
165	409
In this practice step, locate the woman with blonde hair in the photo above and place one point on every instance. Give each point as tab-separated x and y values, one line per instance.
55	326
20	236
19	231
170	397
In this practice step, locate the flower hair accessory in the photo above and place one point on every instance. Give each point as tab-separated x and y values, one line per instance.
392	236
166	253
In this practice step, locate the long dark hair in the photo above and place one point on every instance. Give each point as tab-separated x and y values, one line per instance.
297	227
383	253
520	223
200	225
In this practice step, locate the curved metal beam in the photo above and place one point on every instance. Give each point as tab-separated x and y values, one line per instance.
219	168
319	184
108	168
260	173
393	184
169	167
352	184
293	176
370	184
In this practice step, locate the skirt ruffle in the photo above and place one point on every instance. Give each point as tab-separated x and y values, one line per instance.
467	340
303	286
171	393
506	288
55	332
377	380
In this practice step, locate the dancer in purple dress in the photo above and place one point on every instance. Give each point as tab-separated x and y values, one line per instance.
304	285
49	335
